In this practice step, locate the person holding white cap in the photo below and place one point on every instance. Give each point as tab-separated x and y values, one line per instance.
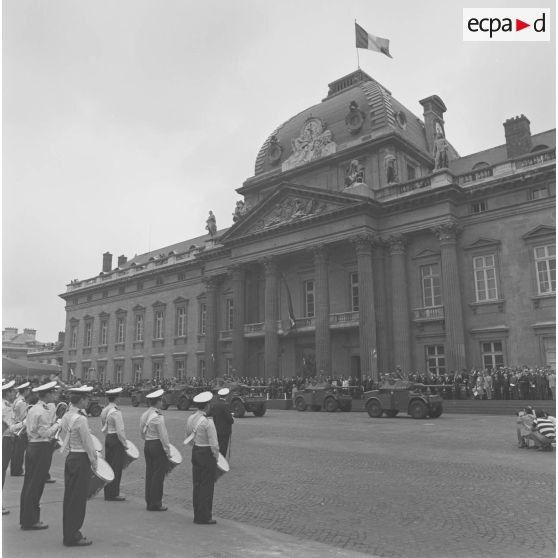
204	459
156	451
82	457
112	424
20	441
40	431
223	419
9	428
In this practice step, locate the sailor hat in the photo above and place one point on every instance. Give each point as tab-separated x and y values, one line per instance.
203	397
155	394
113	391
82	389
49	386
8	385
23	386
224	391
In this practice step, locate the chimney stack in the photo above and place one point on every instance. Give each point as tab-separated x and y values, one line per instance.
518	136
61	336
122	260
107	262
30	333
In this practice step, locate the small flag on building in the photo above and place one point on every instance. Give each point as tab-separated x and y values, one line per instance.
370	42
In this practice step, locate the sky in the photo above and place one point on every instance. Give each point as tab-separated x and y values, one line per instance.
126	121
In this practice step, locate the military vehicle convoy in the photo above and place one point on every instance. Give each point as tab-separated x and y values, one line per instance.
318	398
243	399
401	395
182	396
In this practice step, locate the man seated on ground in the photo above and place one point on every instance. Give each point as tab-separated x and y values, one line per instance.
524	428
543	432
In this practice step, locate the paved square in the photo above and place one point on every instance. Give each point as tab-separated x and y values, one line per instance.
452	487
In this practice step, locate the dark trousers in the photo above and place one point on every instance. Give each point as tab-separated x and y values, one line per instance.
77	475
156	467
7	449
37	461
20	445
223	439
115	454
204	470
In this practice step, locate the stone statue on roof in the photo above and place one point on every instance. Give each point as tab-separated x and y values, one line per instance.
441	148
211	225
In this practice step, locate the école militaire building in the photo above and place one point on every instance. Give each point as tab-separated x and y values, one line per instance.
364	242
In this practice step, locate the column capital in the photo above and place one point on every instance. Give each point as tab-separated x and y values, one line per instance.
320	252
270	265
447	232
363	243
397	244
211	283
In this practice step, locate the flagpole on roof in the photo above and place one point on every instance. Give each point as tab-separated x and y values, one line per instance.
356	48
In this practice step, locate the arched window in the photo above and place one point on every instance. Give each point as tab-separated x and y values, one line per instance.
539	148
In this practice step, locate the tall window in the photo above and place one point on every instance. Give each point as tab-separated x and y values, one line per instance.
139	327
201	368
103	337
157	371
120	330
101	373
545	261
436	359
73	336
549	344
118	374
179	368
309	298
228	366
181	321
88	334
159	324
354	292
431	291
492	354
229	314
203	315
485	278
138	372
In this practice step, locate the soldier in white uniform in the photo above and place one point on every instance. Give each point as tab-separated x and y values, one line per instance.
9	428
20	441
112	424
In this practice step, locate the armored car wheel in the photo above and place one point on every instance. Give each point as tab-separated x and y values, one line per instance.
391	413
418	410
260	411
237	409
95	410
183	404
300	404
330	405
436	412
135	402
374	408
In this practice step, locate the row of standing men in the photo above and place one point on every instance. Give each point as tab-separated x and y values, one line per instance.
209	429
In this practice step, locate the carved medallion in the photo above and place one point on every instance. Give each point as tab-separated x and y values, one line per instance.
274	151
354	118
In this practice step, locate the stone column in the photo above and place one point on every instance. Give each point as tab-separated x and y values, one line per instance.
271	351
400	300
239	314
366	303
210	326
321	306
378	262
451	296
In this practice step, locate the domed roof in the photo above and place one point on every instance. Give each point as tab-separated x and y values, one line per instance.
357	109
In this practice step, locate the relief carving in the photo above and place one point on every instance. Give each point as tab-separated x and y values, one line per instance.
314	142
290	210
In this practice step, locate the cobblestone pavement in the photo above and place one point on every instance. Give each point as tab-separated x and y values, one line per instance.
452	487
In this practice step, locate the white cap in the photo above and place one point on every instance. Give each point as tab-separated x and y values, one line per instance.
113	391
155	394
8	385
203	397
44	388
224	391
82	389
23	386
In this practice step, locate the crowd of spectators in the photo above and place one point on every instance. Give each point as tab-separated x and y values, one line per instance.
507	383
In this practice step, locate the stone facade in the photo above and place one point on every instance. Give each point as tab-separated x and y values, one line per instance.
419	262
